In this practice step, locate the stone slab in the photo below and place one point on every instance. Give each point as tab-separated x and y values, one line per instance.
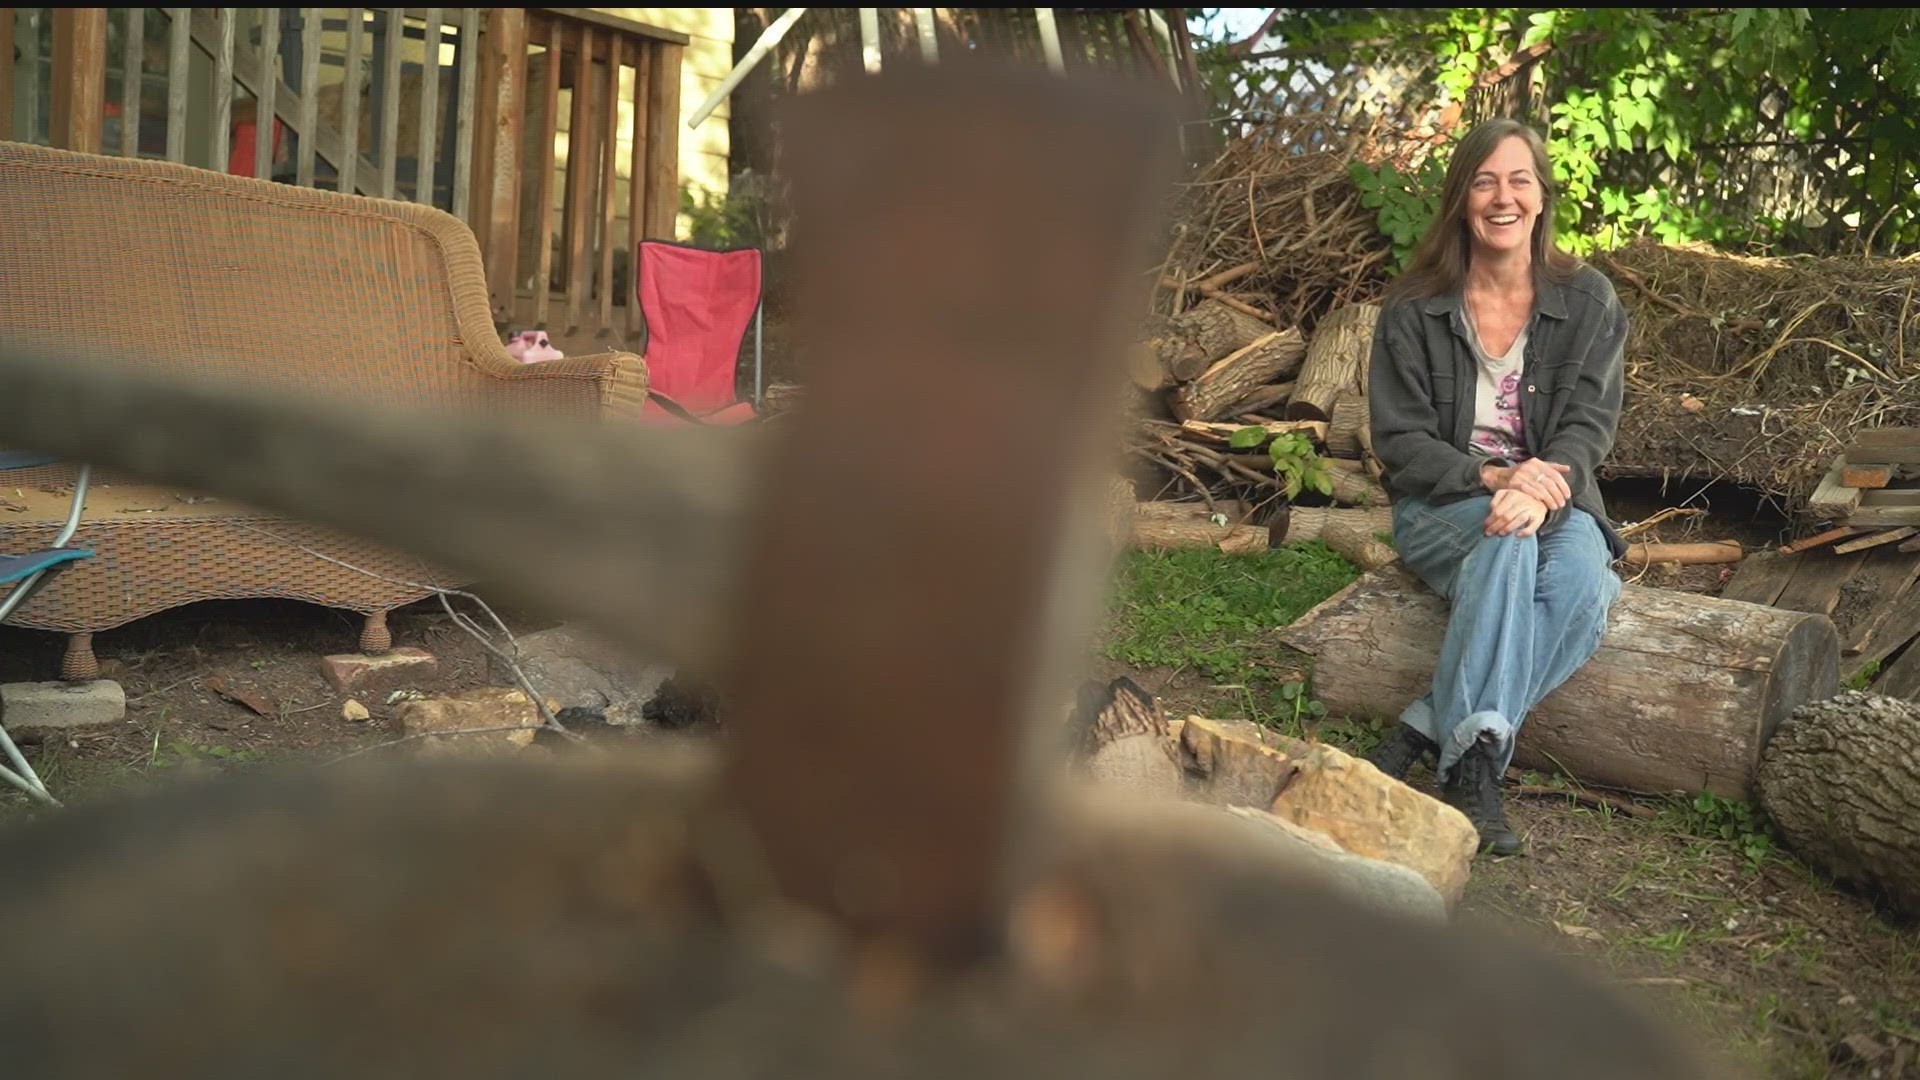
30	706
354	672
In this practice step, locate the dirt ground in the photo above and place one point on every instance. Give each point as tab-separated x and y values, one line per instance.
1773	965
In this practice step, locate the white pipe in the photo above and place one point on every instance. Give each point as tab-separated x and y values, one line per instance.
929	38
1050	40
768	39
870	39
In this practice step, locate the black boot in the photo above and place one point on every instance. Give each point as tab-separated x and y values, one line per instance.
1398	752
1474	790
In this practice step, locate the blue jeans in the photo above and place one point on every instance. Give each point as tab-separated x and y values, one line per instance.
1526	613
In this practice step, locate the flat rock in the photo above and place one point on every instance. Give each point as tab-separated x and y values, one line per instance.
437	718
1370	813
28	706
577	669
1228	763
1389	887
350	672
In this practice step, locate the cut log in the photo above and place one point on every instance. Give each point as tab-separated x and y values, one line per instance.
1643	554
1300	524
1145	369
1841	781
1348	427
1221	434
1173	343
1359	548
1353	485
1274	356
1336	362
1156	529
1218	331
1260	399
1682	695
1167	510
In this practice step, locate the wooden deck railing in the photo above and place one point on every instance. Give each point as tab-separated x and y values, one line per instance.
458	108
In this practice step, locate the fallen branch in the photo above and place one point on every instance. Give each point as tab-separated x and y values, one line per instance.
1595	799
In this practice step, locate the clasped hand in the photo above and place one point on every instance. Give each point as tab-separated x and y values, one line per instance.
1524	494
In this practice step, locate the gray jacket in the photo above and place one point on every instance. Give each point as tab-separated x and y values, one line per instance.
1420	389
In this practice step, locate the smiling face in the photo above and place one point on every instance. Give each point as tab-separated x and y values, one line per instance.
1503	199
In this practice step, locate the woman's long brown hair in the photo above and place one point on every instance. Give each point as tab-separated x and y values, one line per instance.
1440	262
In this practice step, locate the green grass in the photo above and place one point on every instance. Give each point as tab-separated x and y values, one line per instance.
1206	611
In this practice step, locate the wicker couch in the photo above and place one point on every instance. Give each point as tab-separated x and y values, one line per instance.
199	272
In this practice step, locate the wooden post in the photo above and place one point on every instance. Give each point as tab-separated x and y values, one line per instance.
424	160
310	97
392	39
543	183
79	77
637	190
179	37
501	105
222	130
468	58
609	181
349	163
6	72
580	146
263	118
663	141
133	55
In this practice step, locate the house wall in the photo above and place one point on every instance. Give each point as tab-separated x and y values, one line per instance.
709	56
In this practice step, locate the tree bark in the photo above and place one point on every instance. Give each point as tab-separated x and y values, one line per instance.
1359	548
1348	424
1841	781
1155	533
1336	362
1180	353
1274	356
1682	695
1353	485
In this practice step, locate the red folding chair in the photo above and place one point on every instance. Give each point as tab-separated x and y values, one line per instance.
697	303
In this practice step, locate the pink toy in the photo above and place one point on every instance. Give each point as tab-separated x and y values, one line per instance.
532	346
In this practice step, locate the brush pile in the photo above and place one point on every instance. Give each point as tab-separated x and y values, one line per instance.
1761	370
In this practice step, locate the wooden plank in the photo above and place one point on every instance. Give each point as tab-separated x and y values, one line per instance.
1817	539
1866	476
10	23
1886	446
580	162
348	167
637	194
1833	500
178	57
1816	585
1883	579
78	104
663	142
1893	626
1761	577
264	85
133	56
222	129
309	95
543	182
468	59
394	33
1901	679
1910	545
1874	540
609	182
1885	516
424	160
1902	496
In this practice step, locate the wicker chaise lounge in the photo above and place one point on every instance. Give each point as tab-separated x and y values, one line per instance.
306	291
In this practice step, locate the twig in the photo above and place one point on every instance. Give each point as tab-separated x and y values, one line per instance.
1670	512
164	689
1596	799
434	735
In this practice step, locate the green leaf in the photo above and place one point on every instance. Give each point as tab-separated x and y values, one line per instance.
1247	438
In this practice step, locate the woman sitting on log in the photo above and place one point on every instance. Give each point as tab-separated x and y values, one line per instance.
1495	386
